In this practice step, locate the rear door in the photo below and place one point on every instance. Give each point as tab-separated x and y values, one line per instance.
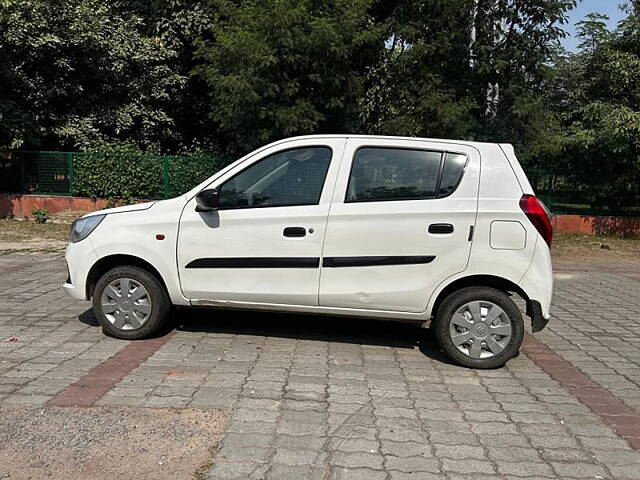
400	222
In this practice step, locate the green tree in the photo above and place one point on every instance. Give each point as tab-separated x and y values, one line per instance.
81	73
420	85
473	69
596	95
277	68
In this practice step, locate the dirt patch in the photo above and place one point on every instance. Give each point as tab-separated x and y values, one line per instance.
22	236
575	251
573	243
106	443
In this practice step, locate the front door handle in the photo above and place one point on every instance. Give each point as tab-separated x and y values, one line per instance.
294	232
440	228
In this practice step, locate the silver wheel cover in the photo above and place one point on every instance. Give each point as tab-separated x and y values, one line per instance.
126	304
480	329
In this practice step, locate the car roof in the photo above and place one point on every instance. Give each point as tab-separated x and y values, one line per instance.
392	137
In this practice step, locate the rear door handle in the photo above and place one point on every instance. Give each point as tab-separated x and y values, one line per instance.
294	232
440	228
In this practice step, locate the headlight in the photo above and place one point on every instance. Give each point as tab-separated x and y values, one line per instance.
82	227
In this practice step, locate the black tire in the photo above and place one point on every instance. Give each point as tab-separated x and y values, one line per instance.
456	300
158	317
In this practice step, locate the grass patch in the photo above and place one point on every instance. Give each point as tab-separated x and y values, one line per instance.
27	231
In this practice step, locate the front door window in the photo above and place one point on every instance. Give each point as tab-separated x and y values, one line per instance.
287	178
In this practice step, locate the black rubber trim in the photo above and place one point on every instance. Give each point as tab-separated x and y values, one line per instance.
68	273
534	311
336	262
255	262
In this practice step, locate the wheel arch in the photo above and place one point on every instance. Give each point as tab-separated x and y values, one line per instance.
105	264
492	281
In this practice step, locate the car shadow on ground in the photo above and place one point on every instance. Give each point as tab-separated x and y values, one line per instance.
324	328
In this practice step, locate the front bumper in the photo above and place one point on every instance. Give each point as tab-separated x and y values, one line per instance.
80	257
74	291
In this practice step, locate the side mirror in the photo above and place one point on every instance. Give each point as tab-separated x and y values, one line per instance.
207	200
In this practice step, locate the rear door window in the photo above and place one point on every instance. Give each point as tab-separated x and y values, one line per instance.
387	174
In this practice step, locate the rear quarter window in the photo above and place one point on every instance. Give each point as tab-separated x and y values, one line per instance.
452	170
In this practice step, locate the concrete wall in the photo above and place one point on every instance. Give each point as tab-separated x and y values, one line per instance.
22	205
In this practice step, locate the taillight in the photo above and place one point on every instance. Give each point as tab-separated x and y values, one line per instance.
538	214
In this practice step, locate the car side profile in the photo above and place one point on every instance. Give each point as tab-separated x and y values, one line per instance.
408	229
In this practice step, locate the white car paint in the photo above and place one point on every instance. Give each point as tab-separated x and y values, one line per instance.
125	208
256	232
397	228
489	191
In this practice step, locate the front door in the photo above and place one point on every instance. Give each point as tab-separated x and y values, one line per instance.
264	243
400	223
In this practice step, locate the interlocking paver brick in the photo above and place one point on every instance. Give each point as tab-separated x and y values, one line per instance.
580	470
244	453
357	474
525	469
292	442
356	459
406	449
467	466
411	464
299	457
228	469
565	455
624	472
353	445
394	475
233	440
318	398
295	472
513	454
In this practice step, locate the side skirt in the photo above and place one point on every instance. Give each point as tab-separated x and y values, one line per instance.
313	310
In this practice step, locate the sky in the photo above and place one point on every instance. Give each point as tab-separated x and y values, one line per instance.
584	7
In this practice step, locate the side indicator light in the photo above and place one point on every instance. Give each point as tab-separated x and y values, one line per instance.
159	236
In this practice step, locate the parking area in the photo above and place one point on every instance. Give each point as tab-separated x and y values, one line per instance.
273	396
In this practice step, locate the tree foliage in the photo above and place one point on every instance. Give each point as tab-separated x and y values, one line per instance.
596	96
80	73
177	76
277	68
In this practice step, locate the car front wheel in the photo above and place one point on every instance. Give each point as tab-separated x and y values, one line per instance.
479	327
131	303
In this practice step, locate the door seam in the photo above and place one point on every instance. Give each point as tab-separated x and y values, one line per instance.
326	220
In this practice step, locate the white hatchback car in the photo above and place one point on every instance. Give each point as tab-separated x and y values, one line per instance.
408	229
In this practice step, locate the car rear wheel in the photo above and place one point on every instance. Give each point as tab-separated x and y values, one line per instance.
131	303
479	327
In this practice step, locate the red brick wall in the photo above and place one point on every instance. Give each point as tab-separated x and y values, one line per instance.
22	205
625	226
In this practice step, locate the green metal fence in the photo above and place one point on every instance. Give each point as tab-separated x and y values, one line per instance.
98	174
561	192
130	176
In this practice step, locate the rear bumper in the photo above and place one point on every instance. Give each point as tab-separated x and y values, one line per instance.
537	283
534	311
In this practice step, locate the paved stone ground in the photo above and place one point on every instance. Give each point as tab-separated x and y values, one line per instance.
321	398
